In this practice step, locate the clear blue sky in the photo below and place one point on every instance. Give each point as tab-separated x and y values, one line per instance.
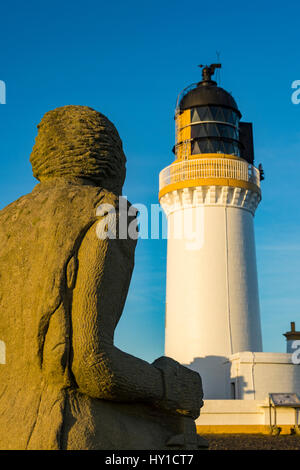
129	60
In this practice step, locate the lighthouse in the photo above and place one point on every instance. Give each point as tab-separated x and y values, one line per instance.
210	194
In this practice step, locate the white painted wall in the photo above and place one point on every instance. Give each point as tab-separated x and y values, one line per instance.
258	374
231	412
242	412
212	304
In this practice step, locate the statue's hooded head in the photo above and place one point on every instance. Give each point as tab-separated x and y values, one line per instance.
79	142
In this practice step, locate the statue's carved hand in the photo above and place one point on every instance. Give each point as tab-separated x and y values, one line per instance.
182	388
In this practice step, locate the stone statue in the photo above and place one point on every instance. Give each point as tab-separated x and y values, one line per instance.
64	385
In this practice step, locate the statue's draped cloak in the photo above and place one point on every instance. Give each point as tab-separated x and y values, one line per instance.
40	235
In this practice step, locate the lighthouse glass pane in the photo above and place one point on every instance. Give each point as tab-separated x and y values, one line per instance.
226	113
195	115
236	133
233	118
200	113
198	131
213	130
228	147
214	113
211	145
207	115
204	114
215	146
225	131
230	116
195	148
220	115
236	150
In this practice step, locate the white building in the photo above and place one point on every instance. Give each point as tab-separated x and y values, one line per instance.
210	194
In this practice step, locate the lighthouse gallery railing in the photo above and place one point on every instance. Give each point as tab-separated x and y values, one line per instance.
210	168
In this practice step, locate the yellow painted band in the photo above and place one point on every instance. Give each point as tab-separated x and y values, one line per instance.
211	155
240	429
209	182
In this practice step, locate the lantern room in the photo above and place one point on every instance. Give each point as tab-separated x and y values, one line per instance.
208	122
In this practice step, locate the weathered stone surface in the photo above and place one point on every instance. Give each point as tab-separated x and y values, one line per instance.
80	142
62	290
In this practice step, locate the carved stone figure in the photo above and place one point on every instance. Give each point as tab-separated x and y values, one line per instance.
64	385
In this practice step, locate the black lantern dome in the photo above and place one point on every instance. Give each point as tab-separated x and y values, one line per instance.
207	93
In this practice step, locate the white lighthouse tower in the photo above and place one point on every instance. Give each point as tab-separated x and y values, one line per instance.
210	194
